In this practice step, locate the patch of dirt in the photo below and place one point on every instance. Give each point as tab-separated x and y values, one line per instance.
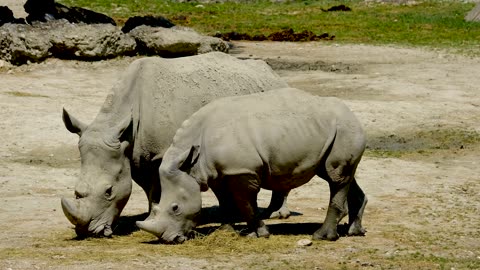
285	35
423	211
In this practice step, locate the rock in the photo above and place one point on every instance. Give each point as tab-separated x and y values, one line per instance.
6	16
48	10
20	44
474	14
89	41
175	41
337	8
304	242
156	21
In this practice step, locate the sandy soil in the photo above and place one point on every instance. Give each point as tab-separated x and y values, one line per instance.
423	211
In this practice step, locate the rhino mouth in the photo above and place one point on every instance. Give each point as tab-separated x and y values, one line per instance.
103	230
85	225
173	237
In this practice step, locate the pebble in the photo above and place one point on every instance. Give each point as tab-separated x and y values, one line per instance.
304	242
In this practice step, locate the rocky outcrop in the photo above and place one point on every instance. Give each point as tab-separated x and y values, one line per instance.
175	41
22	43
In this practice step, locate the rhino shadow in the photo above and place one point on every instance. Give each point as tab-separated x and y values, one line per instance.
212	214
307	228
300	228
126	224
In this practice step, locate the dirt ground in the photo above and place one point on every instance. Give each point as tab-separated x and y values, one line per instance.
420	109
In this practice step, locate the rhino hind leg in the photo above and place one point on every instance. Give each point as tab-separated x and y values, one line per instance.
244	189
336	211
278	206
356	205
339	173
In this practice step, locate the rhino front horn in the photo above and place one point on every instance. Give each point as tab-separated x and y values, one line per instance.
148	226
71	211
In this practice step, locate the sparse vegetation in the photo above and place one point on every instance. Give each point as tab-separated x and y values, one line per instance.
437	24
423	142
24	94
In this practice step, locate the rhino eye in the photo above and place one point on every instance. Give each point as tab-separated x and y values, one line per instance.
175	208
108	192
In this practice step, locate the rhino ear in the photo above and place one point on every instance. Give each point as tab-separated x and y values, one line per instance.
125	130
72	124
190	159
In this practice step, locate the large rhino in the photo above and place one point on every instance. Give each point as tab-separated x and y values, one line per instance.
276	140
136	125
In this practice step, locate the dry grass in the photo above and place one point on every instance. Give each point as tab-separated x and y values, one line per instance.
24	94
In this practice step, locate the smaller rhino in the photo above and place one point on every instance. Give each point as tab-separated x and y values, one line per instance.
277	140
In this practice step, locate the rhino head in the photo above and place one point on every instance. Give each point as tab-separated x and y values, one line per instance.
179	209
105	184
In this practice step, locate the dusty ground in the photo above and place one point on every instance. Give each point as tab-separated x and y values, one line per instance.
420	109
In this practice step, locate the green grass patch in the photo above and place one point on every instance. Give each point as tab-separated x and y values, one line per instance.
436	24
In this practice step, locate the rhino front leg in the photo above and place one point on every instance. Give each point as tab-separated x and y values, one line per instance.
228	210
278	206
244	190
356	204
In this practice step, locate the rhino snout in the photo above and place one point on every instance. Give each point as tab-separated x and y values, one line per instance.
153	227
73	213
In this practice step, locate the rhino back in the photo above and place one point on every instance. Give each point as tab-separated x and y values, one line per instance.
279	133
173	89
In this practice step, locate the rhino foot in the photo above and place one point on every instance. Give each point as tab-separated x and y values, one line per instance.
260	232
356	229
227	228
282	213
263	231
326	234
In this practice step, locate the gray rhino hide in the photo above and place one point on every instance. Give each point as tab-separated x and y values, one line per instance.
145	108
276	140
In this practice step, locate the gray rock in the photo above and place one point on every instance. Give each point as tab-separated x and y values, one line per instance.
474	14
89	41
304	242
20	44
175	41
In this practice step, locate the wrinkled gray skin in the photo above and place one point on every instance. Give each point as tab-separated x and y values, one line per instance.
277	140
136	125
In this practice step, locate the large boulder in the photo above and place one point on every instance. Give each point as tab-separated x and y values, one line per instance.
175	41
20	44
89	41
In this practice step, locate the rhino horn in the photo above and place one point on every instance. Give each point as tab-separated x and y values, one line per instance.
72	212
149	226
